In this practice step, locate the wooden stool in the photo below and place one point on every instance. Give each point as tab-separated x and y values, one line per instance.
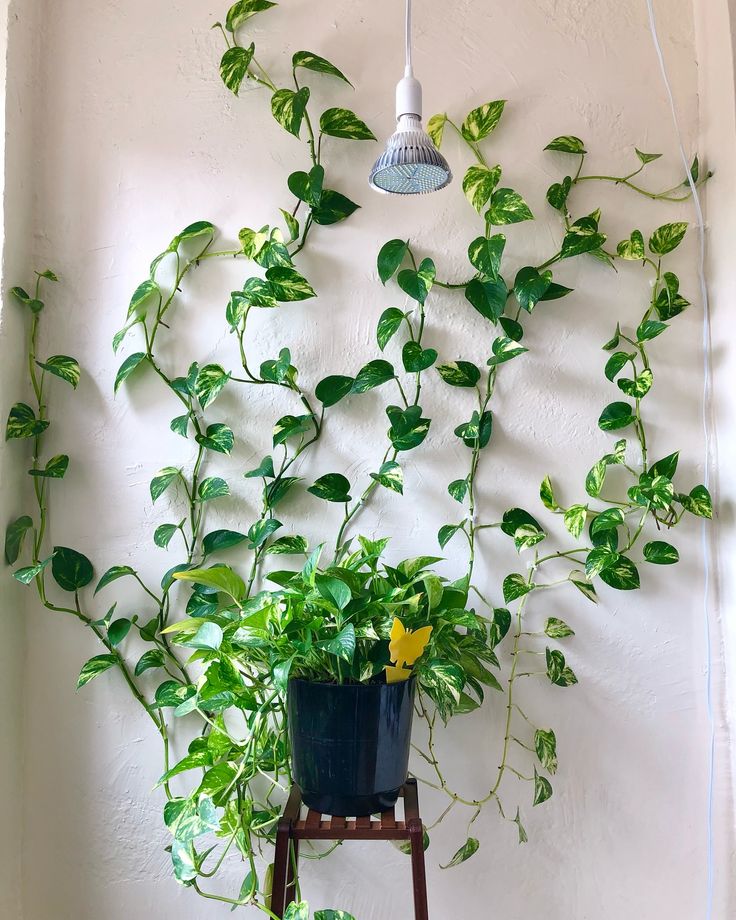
292	829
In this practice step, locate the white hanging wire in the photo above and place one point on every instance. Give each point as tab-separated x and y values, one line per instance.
708	438
409	66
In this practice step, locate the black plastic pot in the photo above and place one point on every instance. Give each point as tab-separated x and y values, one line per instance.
350	744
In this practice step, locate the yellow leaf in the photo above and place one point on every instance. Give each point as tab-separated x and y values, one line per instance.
396	675
406	646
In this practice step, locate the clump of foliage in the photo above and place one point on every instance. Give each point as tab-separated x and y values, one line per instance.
211	662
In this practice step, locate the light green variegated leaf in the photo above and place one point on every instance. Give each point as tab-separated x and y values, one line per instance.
388	325
220	577
478	184
515	586
667	237
310	61
390	257
485	254
218	437
127	368
595	479
287	285
523	527
621	574
242	10
647	157
212	487
332	487
55	468
332	389
468	849
332	915
162	480
661	553
290	426
22	423
507	207
261	531
567	143
71	569
292	225
670	302
557	629
582	237
583	584
698	502
62	366
339	122
459	373
504	349
436	128
252	242
28	573
297	911
234	66
545	744
140	297
15	537
650	329
542	788
575	518
523	838
458	489
287	546
483	120
163	534
546	493
633	248
97	665
391	476
288	108
209	383
638	388
343	645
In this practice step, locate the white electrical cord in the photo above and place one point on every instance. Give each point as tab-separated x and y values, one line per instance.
409	68
707	390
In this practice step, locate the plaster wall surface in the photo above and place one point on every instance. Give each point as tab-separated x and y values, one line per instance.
134	137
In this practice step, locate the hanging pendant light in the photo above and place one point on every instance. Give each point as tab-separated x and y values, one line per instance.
410	164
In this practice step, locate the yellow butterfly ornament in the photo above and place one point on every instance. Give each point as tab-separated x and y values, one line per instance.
405	647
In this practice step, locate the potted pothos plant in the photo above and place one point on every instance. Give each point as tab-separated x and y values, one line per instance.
341	646
264	665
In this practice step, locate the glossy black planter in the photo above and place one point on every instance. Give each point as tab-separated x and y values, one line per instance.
350	744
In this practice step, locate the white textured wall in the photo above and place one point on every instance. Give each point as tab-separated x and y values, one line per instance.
135	138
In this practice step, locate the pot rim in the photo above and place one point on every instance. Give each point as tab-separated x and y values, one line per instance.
366	687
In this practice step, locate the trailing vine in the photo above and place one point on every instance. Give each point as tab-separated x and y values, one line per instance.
223	652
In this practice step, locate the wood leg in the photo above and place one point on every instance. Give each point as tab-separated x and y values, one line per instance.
419	878
292	873
280	868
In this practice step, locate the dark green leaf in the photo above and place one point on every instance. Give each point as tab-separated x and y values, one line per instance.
332	487
667	466
163	534
650	329
698	502
417	284
264	469
417	359
290	426
390	257
332	389
617	362
333	208
15	536
71	569
661	553
447	532
542	788
621	574
558	193
374	374
488	297
209	383
261	531
530	286
55	468
153	658
118	630
408	428
485	254
515	586
504	349
616	415
343	645
112	574
218	540
162	480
